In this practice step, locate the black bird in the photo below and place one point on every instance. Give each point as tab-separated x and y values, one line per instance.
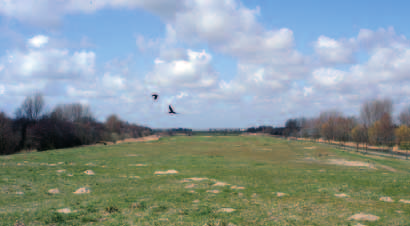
171	111
155	96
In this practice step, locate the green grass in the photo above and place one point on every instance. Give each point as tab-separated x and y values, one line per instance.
263	165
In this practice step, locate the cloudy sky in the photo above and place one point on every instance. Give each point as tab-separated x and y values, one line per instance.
220	63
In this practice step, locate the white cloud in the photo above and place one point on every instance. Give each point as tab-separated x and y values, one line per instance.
38	41
194	73
334	52
50	12
328	76
113	81
50	63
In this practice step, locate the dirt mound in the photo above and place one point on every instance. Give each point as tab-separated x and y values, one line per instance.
226	210
236	187
341	195
82	191
194	179
364	217
220	184
166	172
54	191
89	172
386	199
65	210
404	201
190	186
213	191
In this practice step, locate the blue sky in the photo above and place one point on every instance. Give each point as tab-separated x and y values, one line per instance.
220	63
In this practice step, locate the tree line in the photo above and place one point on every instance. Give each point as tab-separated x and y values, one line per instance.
373	126
67	125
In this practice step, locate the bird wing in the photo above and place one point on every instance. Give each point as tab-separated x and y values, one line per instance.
170	108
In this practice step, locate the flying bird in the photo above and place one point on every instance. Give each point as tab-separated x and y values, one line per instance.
155	96
171	111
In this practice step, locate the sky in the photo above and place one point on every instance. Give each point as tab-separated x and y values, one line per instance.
219	63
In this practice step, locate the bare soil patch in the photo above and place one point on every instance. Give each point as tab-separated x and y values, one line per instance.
350	163
386	199
226	210
194	179
364	217
220	184
89	172
213	191
54	191
190	186
280	194
65	210
404	201
166	172
61	171
82	190
341	195
309	148
140	139
236	187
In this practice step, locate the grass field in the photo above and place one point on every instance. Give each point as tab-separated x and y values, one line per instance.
246	180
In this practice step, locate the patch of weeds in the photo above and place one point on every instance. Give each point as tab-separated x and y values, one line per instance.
91	208
160	208
86	219
202	211
111	209
56	218
139	205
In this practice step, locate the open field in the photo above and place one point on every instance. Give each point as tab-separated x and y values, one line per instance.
198	180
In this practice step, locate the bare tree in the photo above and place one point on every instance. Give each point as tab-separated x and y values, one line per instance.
31	108
359	135
404	117
72	112
373	110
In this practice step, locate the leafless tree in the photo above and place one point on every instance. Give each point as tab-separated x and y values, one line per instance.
404	117
75	112
31	108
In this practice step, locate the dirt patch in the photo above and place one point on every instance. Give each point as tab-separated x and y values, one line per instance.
310	148
61	171
90	164
220	184
196	201
194	179
364	217
82	191
236	187
65	210
140	164
227	210
350	163
20	193
140	139
388	168
133	155
213	191
89	172
166	172
341	195
52	164
280	194
54	191
190	186
386	199
70	175
404	201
